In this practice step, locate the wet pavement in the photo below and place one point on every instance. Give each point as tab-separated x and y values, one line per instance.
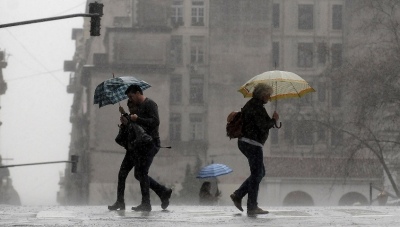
198	216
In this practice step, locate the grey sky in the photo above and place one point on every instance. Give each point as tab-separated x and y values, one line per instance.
35	109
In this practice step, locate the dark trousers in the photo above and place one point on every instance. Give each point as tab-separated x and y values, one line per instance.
145	156
254	155
126	166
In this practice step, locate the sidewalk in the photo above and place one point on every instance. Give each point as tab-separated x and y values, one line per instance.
198	216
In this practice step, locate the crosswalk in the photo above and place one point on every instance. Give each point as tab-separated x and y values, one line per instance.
198	216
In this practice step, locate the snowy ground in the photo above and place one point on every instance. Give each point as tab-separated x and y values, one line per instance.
198	216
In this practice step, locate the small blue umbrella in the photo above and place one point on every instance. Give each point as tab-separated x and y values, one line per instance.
214	170
113	90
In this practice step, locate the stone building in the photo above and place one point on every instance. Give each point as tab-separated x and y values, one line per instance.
8	195
196	54
3	84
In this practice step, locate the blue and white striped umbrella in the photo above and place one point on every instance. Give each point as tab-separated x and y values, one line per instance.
214	170
113	90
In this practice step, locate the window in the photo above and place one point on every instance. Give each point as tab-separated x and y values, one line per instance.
306	100
196	127
321	133
175	120
322	50
321	91
309	97
336	55
305	55
196	89
197	13
176	90
197	49
176	50
337	17
336	94
306	17
304	133
275	54
276	15
177	12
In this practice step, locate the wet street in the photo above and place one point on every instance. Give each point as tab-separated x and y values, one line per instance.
197	216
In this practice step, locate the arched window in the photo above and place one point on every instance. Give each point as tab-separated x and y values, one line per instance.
353	198
298	198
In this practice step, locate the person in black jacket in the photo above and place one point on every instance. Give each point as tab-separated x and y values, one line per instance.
205	196
255	130
125	134
147	117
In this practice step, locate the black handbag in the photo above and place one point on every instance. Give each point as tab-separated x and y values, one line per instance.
122	137
141	136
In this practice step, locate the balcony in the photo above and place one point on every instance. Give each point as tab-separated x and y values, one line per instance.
3	87
72	86
69	66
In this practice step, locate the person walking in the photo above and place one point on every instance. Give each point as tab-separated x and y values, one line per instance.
255	130
125	135
205	196
147	117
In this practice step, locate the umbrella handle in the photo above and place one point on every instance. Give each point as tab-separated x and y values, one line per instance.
276	125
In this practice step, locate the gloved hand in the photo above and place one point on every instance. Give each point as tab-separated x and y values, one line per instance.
124	120
121	110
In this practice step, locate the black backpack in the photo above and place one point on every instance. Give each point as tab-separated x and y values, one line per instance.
234	125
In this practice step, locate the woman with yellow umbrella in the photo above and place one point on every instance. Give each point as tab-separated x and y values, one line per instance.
256	126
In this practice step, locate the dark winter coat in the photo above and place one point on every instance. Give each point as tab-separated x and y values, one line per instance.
148	118
256	121
144	130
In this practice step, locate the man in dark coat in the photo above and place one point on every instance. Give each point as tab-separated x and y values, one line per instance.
255	130
146	117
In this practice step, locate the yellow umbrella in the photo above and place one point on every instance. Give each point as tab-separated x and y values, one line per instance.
285	85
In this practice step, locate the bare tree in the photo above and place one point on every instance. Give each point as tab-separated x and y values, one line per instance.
370	82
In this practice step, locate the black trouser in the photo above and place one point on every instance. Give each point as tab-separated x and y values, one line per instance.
250	186
126	166
145	155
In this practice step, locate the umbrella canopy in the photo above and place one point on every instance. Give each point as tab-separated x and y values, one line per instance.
214	170
285	85
113	90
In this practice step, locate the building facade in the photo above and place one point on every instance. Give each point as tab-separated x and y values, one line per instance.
196	54
8	195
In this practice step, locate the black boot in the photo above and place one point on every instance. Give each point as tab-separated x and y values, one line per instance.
117	205
142	207
256	210
165	199
237	201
